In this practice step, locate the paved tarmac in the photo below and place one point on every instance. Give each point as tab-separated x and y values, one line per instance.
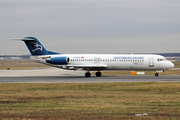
82	79
55	75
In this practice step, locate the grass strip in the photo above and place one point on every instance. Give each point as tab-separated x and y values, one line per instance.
90	100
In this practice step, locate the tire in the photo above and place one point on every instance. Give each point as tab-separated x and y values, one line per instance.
156	74
87	74
98	74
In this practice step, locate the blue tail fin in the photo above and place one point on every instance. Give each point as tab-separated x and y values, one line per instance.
34	46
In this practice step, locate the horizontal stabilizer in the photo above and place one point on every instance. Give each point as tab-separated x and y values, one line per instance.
22	39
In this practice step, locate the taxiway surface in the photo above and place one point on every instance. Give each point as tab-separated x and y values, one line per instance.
64	76
82	79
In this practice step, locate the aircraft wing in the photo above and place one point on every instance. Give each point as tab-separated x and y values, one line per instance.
87	66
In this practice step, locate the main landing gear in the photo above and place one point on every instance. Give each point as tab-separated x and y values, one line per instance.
156	74
98	74
88	74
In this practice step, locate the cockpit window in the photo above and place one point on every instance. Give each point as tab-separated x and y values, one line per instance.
164	59
161	59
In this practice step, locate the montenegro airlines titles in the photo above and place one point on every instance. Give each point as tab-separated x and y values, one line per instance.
96	62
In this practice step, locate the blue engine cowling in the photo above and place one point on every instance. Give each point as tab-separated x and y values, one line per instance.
58	60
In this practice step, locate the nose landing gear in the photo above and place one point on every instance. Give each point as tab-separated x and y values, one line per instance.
156	74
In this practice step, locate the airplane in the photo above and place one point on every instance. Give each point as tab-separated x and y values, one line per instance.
96	62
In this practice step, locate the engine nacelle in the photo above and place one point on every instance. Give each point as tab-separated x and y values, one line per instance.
58	60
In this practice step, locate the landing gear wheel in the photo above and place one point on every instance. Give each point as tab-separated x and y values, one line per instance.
156	74
87	74
98	74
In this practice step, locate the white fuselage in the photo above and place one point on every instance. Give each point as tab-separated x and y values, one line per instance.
91	62
95	62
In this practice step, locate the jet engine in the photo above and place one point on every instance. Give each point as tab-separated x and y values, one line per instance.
58	60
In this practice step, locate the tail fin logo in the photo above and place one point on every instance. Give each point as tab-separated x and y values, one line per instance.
37	47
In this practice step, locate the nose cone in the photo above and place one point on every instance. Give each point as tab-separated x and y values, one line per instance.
170	65
166	65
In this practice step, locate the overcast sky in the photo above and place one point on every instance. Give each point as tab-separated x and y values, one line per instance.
91	26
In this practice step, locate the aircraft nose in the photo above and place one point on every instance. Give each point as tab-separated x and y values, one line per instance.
171	65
